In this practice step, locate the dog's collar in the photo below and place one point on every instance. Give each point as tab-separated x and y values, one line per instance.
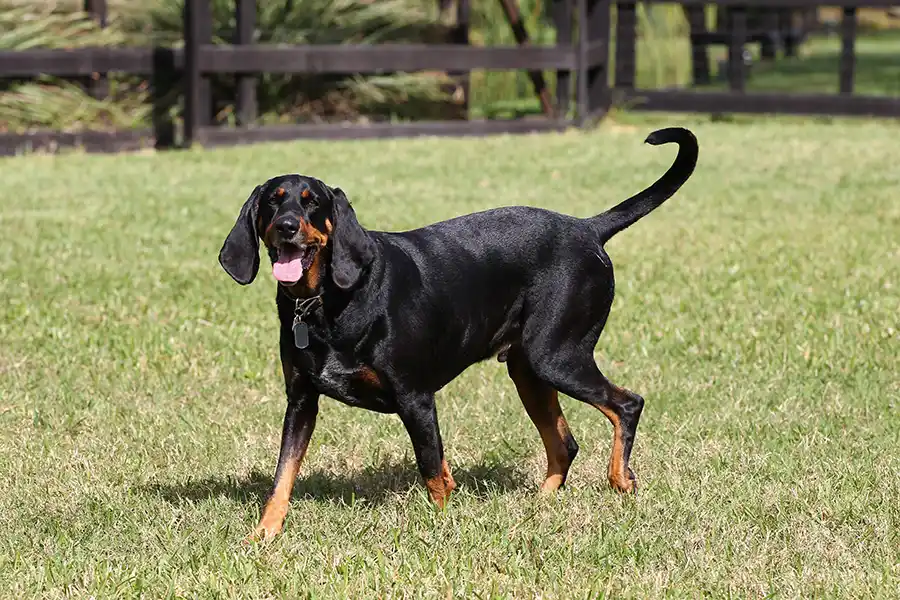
304	306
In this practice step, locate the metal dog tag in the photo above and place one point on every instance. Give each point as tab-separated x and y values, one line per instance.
301	334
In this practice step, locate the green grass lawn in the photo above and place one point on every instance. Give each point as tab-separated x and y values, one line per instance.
757	312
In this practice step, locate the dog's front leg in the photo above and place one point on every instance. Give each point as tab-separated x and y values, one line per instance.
299	423
419	416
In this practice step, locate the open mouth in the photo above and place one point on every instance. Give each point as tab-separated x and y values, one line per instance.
292	262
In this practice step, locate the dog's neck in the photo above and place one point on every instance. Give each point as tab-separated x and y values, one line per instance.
301	291
325	295
332	299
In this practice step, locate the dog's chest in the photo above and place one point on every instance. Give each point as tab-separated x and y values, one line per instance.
350	382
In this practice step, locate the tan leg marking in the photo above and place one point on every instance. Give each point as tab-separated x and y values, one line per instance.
439	487
618	479
542	405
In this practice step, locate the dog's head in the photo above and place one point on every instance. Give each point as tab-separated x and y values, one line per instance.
308	228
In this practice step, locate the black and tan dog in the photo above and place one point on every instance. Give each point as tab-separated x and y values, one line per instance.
384	320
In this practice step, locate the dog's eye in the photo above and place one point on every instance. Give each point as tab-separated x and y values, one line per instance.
307	198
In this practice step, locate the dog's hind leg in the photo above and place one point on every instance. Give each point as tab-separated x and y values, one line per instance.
542	404
576	374
558	339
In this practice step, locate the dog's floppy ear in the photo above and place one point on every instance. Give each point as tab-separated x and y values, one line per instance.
352	248
239	255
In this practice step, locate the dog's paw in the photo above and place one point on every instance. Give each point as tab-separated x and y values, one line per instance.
263	533
552	484
624	485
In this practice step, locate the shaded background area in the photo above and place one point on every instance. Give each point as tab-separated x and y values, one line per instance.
663	57
663	60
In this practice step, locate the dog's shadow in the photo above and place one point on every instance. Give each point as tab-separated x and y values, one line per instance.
374	484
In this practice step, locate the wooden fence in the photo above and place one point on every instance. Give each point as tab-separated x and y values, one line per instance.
199	59
587	58
737	99
581	55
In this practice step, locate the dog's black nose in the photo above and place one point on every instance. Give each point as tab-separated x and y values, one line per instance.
287	226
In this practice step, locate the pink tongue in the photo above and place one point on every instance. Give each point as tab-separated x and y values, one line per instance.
288	268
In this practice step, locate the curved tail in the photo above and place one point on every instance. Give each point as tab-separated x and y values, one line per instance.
628	212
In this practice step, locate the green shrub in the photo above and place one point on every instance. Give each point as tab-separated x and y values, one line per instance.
29	25
51	103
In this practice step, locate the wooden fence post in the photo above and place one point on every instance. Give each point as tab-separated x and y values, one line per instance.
597	59
768	24
737	38
164	95
789	31
461	36
245	19
848	50
626	37
696	16
97	84
561	14
97	9
197	32
581	87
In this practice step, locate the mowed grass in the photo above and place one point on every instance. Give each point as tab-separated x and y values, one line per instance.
757	312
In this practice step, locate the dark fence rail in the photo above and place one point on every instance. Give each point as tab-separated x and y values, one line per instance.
382	58
84	61
581	57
